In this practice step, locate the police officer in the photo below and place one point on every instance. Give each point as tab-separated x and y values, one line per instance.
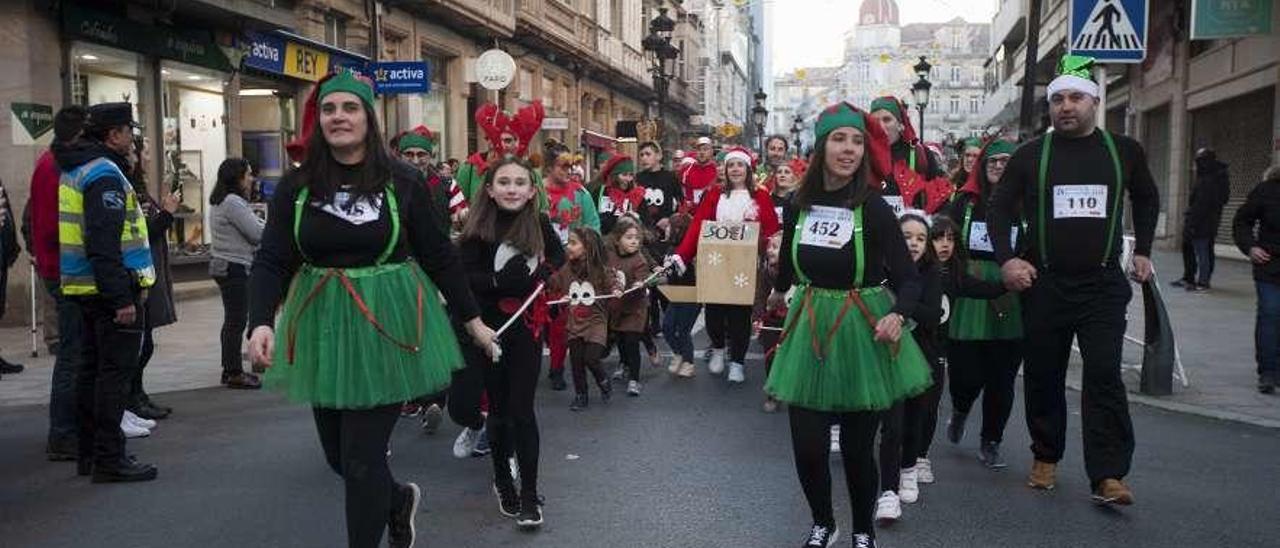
1069	185
105	267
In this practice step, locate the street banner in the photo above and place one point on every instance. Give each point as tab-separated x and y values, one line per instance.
1111	31
394	77
1230	18
728	254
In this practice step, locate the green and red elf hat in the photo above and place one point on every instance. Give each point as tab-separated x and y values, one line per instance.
977	180
616	165
342	80
844	114
418	137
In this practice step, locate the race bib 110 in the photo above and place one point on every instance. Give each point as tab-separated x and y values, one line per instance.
830	227
1080	202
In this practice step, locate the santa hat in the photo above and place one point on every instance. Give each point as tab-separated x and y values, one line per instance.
994	147
343	80
493	122
1075	73
741	154
798	167
846	115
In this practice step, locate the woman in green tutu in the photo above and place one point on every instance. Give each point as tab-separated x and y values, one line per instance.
844	356
354	237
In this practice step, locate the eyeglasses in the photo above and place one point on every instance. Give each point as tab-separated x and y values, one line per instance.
1001	162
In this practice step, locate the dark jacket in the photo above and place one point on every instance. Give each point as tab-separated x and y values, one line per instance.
1261	210
161	310
9	249
103	224
1208	197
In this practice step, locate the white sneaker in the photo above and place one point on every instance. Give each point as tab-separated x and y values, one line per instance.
716	364
135	419
687	370
466	442
888	507
633	388
924	471
132	430
908	485
619	373
737	373
674	366
835	439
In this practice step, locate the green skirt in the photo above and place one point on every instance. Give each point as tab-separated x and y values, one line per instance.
849	371
986	320
362	337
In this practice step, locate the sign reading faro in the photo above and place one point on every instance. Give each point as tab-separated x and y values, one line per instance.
401	77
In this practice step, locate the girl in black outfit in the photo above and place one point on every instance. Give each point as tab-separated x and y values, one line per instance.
505	227
353	235
844	356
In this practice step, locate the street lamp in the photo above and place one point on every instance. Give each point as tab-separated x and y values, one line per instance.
760	116
662	58
920	90
797	125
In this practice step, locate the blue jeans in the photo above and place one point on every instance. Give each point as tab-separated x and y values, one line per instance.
62	392
677	325
1204	260
1266	334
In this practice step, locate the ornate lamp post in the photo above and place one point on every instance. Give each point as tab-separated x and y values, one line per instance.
920	90
797	125
662	60
760	116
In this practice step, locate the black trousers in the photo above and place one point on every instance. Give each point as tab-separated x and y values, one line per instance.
512	423
467	390
355	446
989	368
1090	308
900	433
931	399
629	352
136	392
585	356
235	315
811	444
731	324
108	362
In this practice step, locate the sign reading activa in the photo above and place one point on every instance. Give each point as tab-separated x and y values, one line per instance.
401	77
1229	18
195	47
31	123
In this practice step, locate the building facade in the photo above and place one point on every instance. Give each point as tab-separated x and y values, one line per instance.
1185	95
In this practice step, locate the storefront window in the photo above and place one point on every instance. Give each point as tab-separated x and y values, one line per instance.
195	144
104	75
267	122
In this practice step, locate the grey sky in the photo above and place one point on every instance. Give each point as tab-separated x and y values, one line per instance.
809	32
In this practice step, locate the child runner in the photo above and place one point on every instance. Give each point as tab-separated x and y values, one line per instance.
677	324
570	207
628	316
769	321
583	280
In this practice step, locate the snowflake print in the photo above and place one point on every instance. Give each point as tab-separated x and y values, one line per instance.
740	280
715	258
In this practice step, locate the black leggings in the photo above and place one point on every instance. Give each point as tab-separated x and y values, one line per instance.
584	356
732	324
235	315
136	394
355	445
512	425
811	443
929	417
629	352
989	368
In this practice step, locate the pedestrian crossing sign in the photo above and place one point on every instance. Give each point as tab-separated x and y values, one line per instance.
1110	31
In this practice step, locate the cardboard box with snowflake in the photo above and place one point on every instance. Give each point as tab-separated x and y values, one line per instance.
727	258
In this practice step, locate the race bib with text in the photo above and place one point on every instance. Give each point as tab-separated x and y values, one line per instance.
1080	202
830	227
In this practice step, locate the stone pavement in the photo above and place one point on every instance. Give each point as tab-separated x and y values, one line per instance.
1214	332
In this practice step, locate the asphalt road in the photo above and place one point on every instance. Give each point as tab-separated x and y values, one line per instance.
690	463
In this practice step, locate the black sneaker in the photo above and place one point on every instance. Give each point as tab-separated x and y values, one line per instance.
1197	288
1181	283
1267	383
606	390
8	368
557	380
821	536
127	470
861	540
508	502
579	403
989	454
400	527
530	512
955	426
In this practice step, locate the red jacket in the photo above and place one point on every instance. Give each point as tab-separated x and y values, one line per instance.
765	215
44	216
697	178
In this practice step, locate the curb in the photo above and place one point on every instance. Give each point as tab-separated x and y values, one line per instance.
191	291
1198	410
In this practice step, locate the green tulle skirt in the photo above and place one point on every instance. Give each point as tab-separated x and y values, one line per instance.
362	337
849	371
985	320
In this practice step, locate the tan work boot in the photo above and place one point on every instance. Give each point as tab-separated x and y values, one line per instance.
686	370
1113	491
1042	475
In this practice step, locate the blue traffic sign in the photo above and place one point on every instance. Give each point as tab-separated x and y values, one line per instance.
1111	31
401	77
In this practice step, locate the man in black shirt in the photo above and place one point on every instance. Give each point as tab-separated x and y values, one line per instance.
1069	185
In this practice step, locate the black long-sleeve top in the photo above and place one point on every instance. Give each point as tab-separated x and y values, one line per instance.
884	249
1076	244
483	276
928	313
330	241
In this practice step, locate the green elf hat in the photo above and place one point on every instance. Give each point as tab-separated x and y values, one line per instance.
888	103
844	114
840	115
1075	73
973	142
1000	147
347	81
616	165
416	140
